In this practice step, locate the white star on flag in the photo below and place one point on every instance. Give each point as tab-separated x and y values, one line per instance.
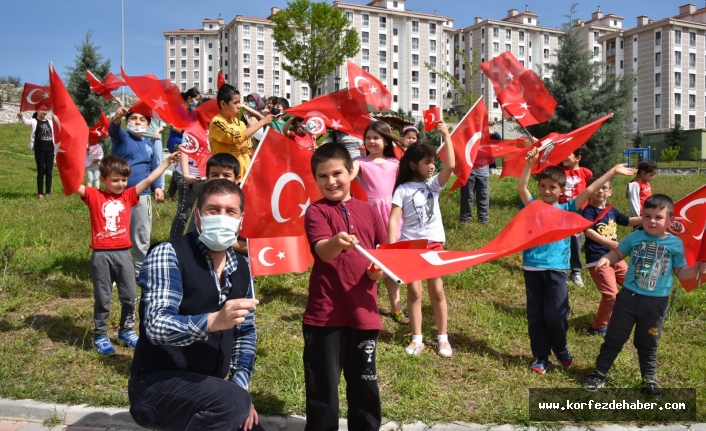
304	207
46	95
510	76
524	105
336	124
57	148
280	255
160	104
373	90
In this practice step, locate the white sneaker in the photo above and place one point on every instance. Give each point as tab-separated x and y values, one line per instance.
575	277
444	349
414	348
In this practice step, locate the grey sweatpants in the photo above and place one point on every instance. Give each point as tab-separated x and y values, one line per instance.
140	229
108	266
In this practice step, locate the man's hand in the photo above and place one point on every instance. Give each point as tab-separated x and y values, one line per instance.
251	420
158	195
233	313
345	241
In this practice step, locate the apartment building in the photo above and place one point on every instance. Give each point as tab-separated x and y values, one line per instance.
191	56
668	56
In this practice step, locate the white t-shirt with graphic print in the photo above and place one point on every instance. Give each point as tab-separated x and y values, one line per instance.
421	216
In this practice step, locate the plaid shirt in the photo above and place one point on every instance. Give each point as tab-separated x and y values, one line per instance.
162	292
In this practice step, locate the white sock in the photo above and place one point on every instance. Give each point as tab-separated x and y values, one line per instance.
417	339
443	338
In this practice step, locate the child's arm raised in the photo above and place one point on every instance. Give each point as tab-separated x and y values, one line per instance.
620	169
154	175
448	168
265	121
328	249
522	183
287	125
119	114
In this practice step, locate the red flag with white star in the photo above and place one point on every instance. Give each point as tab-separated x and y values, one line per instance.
35	98
689	225
106	87
220	80
365	83
554	148
70	135
194	144
431	117
99	130
161	96
281	255
345	111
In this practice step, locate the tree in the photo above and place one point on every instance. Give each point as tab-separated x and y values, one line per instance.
676	136
315	38
582	98
13	80
639	140
88	58
467	96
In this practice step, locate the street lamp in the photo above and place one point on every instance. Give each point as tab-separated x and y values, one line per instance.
337	81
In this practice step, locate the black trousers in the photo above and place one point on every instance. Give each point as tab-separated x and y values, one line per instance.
646	314
547	311
575	260
327	351
45	166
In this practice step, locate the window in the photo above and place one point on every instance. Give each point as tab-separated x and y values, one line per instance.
546	39
226	49
366	20
172	41
172	75
496	47
522	62
197	40
246	30
305	93
522	51
183	86
496	32
183	74
546	54
394	48
183	52
261	32
197	51
415	60
210	45
560	41
432	46
366	54
276	90
415	76
432	61
395	65
196	74
226	62
172	52
692	39
677	79
658	80
349	15
482	33
260	60
172	64
692	60
246	59
658	101
677	100
692	80
365	37
183	40
210	68
383	57
274	47
658	38
692	101
415	107
415	27
197	64
275	62
276	75
246	87
394	82
415	93
432	78
260	73
183	64
677	119
261	88
658	121
382	73
677	58
692	121
521	34
394	32
508	47
432	29
382	22
415	43
677	37
596	51
596	35
260	46
508	33
658	59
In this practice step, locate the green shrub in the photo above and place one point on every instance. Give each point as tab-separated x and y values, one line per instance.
695	154
669	154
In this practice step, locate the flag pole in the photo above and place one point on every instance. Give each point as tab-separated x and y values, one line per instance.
252	279
378	264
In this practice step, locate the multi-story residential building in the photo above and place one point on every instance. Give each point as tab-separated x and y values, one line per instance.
668	57
395	45
191	56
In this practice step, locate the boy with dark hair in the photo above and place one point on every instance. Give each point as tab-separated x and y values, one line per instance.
600	239
655	256
111	260
223	165
228	134
341	320
576	182
545	267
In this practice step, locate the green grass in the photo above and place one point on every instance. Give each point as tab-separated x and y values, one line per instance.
46	318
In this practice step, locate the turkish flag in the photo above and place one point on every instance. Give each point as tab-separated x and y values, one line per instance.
536	224
689	225
555	147
220	80
141	107
35	98
281	255
365	83
206	111
504	149
106	87
162	97
520	92
99	130
345	111
467	138
70	135
431	117
195	145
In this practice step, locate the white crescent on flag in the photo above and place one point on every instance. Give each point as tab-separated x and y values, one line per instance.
357	86
469	147
279	185
433	258
29	97
261	256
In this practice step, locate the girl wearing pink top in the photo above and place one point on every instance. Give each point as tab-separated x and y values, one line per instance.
377	172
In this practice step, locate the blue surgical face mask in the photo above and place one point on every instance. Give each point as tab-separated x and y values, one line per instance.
194	103
253	105
218	232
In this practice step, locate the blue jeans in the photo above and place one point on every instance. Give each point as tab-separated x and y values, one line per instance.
180	400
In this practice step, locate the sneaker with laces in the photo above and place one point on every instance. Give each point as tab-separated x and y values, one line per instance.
600	332
414	348
444	349
540	366
127	338
575	278
594	381
651	388
564	357
102	345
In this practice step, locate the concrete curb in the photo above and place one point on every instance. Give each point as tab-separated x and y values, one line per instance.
116	418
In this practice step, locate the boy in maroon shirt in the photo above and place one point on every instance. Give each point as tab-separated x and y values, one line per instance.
341	320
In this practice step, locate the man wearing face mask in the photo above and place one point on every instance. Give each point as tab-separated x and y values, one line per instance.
196	325
138	151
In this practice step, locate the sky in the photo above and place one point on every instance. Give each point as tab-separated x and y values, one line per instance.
44	30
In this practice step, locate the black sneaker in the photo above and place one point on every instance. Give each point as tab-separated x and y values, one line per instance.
651	388
564	357
600	332
594	381
540	366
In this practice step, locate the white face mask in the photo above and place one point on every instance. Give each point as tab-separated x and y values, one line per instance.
136	130
218	232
